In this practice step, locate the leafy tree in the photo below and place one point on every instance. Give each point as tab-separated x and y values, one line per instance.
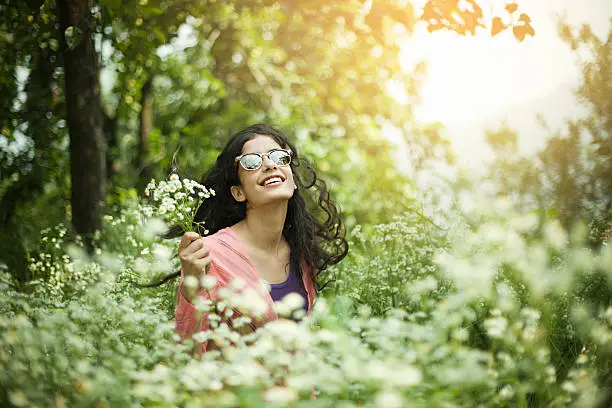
571	177
320	70
33	161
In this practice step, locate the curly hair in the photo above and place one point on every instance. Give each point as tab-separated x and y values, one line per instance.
318	243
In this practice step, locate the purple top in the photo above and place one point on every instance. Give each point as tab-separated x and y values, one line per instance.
292	284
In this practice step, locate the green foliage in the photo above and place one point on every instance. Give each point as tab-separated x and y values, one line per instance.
82	353
179	76
393	266
569	177
495	311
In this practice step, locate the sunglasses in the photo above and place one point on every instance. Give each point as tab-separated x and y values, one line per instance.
253	161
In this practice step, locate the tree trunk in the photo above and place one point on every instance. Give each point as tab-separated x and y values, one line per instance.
146	125
84	116
112	146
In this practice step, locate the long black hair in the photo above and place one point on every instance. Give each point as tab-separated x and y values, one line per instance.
316	242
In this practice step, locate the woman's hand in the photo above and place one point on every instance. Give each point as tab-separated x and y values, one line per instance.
195	261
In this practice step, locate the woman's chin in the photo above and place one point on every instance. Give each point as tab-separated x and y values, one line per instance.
274	196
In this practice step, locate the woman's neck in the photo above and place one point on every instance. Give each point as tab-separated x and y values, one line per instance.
263	227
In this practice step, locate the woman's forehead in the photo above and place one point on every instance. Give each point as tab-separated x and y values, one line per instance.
259	144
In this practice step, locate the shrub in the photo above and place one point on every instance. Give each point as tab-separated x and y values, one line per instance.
501	310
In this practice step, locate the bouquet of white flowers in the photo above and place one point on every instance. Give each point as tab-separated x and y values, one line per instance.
176	201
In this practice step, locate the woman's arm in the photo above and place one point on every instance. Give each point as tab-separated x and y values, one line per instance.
195	262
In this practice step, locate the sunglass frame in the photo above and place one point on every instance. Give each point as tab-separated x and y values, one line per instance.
238	159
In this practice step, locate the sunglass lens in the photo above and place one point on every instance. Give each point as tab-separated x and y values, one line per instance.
251	161
280	157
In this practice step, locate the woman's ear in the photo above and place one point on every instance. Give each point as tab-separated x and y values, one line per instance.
237	194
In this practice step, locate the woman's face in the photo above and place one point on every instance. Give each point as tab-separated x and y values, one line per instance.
269	183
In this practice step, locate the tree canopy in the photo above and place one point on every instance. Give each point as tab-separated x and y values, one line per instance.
179	76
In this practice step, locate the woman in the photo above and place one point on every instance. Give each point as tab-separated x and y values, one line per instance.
260	227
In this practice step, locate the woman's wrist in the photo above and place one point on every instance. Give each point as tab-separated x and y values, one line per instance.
190	288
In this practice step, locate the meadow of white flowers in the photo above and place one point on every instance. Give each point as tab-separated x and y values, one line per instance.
497	310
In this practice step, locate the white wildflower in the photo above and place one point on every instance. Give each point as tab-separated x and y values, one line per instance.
551	374
237	283
582	359
176	202
241	321
280	395
190	282
525	223
209	281
496	326
555	235
214	385
141	266
389	399
461	334
147	211
569	387
283	328
153	228
161	252
507	392
282	309
251	303
203	304
202	336
529	333
407	376
530	314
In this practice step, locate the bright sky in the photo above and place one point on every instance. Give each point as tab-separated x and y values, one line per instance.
470	78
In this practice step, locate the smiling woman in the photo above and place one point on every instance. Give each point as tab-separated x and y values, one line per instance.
260	229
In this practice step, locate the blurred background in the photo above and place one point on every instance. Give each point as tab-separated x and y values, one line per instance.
400	105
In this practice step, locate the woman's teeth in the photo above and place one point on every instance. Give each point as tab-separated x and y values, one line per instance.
273	180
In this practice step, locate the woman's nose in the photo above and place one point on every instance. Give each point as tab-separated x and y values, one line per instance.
267	162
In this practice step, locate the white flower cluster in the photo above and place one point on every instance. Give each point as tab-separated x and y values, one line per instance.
429	351
496	325
55	275
176	201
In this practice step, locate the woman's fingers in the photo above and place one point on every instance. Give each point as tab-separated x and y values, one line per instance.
194	252
203	264
200	253
186	240
194	255
194	246
197	267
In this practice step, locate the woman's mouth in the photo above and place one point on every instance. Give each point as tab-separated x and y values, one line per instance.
272	181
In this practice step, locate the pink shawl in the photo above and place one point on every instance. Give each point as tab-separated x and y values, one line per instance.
229	259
